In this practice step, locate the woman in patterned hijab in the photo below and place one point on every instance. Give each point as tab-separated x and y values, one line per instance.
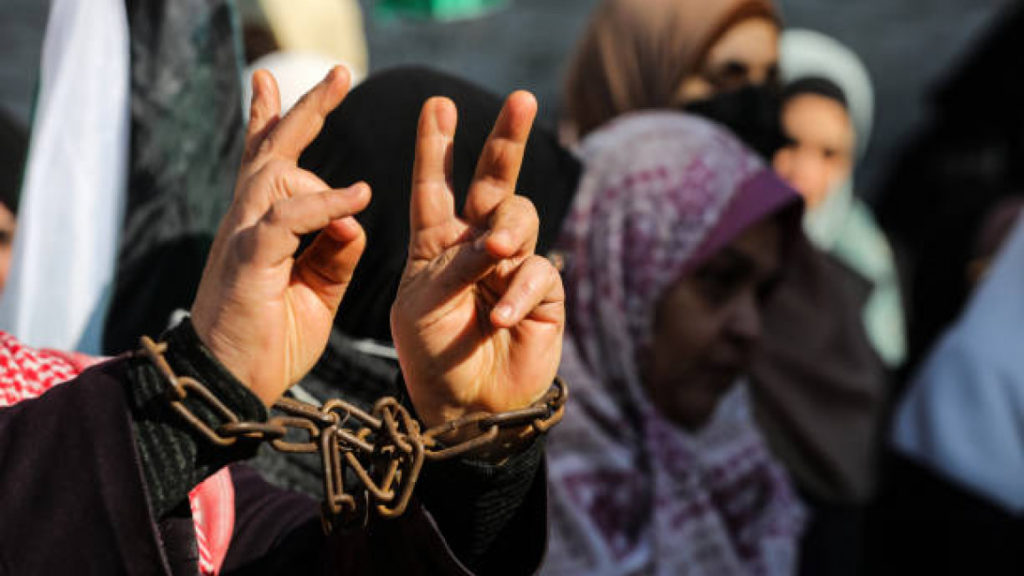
674	240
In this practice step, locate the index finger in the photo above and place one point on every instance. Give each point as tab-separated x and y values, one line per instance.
293	133
498	167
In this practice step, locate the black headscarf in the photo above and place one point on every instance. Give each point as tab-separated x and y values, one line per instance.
372	136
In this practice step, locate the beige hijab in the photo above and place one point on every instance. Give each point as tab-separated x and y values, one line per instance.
635	54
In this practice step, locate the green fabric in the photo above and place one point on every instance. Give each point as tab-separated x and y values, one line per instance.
862	246
438	9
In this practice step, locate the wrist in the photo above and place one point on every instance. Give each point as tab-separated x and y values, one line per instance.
188	356
493	437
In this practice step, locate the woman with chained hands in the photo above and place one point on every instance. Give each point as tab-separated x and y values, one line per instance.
96	472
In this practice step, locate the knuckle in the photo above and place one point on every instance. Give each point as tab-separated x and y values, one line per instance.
245	245
531	284
518	210
277	214
526	207
268	145
545	270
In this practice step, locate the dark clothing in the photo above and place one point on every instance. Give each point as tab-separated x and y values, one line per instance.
818	386
964	161
925	523
74	497
96	474
820	392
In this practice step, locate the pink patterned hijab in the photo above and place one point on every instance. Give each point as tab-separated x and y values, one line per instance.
632	492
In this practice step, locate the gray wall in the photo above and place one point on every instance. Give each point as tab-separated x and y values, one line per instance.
21	29
907	44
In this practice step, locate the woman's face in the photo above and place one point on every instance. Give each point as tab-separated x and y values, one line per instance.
747	54
708	323
7	225
819	149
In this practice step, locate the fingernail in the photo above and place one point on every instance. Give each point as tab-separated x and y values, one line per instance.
503	311
501	237
356	189
481	242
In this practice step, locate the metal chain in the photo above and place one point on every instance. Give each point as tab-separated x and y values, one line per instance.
384	449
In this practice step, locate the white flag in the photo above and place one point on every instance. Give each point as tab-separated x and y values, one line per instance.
74	188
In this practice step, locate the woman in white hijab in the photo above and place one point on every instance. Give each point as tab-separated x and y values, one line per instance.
827	114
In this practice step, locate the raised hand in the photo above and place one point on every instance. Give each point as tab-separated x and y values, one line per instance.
263	313
479	317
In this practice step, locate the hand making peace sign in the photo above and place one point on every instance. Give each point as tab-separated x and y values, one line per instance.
479	317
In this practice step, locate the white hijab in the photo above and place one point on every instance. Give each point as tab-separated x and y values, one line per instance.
810	54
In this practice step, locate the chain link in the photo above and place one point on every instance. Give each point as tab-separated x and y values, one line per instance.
384	449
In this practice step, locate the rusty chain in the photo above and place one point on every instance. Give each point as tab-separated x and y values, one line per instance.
385	449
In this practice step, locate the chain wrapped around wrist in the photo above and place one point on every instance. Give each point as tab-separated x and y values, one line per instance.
385	448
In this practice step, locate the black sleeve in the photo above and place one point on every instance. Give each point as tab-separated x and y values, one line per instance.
493	517
466	517
174	457
279	532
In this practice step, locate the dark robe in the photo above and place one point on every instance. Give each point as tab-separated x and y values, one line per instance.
77	501
819	392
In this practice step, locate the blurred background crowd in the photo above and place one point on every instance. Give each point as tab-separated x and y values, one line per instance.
794	331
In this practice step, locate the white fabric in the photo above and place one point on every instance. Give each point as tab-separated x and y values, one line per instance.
296	73
73	195
806	54
332	28
964	413
809	54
